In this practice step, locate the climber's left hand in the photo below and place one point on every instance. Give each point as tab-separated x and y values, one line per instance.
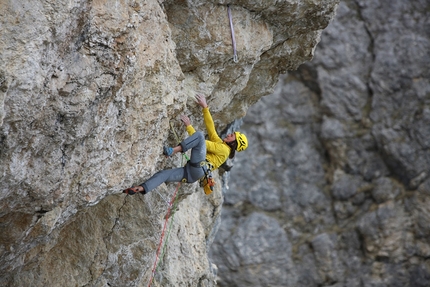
186	120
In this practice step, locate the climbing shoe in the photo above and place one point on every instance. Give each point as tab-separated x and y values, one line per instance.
167	151
131	190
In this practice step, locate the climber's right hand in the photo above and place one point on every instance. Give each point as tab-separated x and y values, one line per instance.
201	100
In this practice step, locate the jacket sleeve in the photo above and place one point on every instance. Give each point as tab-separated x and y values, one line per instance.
190	130
210	126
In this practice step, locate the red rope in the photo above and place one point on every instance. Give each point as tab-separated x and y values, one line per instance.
162	234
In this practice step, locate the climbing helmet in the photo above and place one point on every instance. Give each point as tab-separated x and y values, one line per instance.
242	141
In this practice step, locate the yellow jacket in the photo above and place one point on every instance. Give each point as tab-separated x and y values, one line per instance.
217	151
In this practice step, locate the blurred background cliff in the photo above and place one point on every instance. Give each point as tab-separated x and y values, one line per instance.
340	165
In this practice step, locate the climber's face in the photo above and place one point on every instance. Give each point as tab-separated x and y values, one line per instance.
230	137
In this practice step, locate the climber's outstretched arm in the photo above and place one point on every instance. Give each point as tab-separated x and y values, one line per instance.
210	126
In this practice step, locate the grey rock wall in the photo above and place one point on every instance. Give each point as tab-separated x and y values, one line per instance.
89	91
340	163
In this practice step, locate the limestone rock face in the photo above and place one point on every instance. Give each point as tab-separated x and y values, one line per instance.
89	94
340	161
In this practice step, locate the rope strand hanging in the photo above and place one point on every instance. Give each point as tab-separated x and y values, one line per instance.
233	39
162	234
173	203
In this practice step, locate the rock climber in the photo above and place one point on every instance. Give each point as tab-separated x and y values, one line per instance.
206	155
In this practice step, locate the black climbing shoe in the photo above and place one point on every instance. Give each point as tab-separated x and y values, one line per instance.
131	190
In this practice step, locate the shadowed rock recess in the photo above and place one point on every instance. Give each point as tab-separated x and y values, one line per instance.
335	187
90	92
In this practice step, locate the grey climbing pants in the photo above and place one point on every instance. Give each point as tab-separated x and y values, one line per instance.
191	172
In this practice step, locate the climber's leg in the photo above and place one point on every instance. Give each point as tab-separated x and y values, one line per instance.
197	144
167	175
191	173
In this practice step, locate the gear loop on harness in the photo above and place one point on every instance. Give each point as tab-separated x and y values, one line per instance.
206	181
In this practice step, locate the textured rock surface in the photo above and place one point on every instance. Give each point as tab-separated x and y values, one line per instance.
340	161
87	93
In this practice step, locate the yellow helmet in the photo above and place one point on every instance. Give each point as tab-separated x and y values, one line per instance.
242	141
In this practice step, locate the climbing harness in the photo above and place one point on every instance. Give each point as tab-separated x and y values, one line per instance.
233	40
206	181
